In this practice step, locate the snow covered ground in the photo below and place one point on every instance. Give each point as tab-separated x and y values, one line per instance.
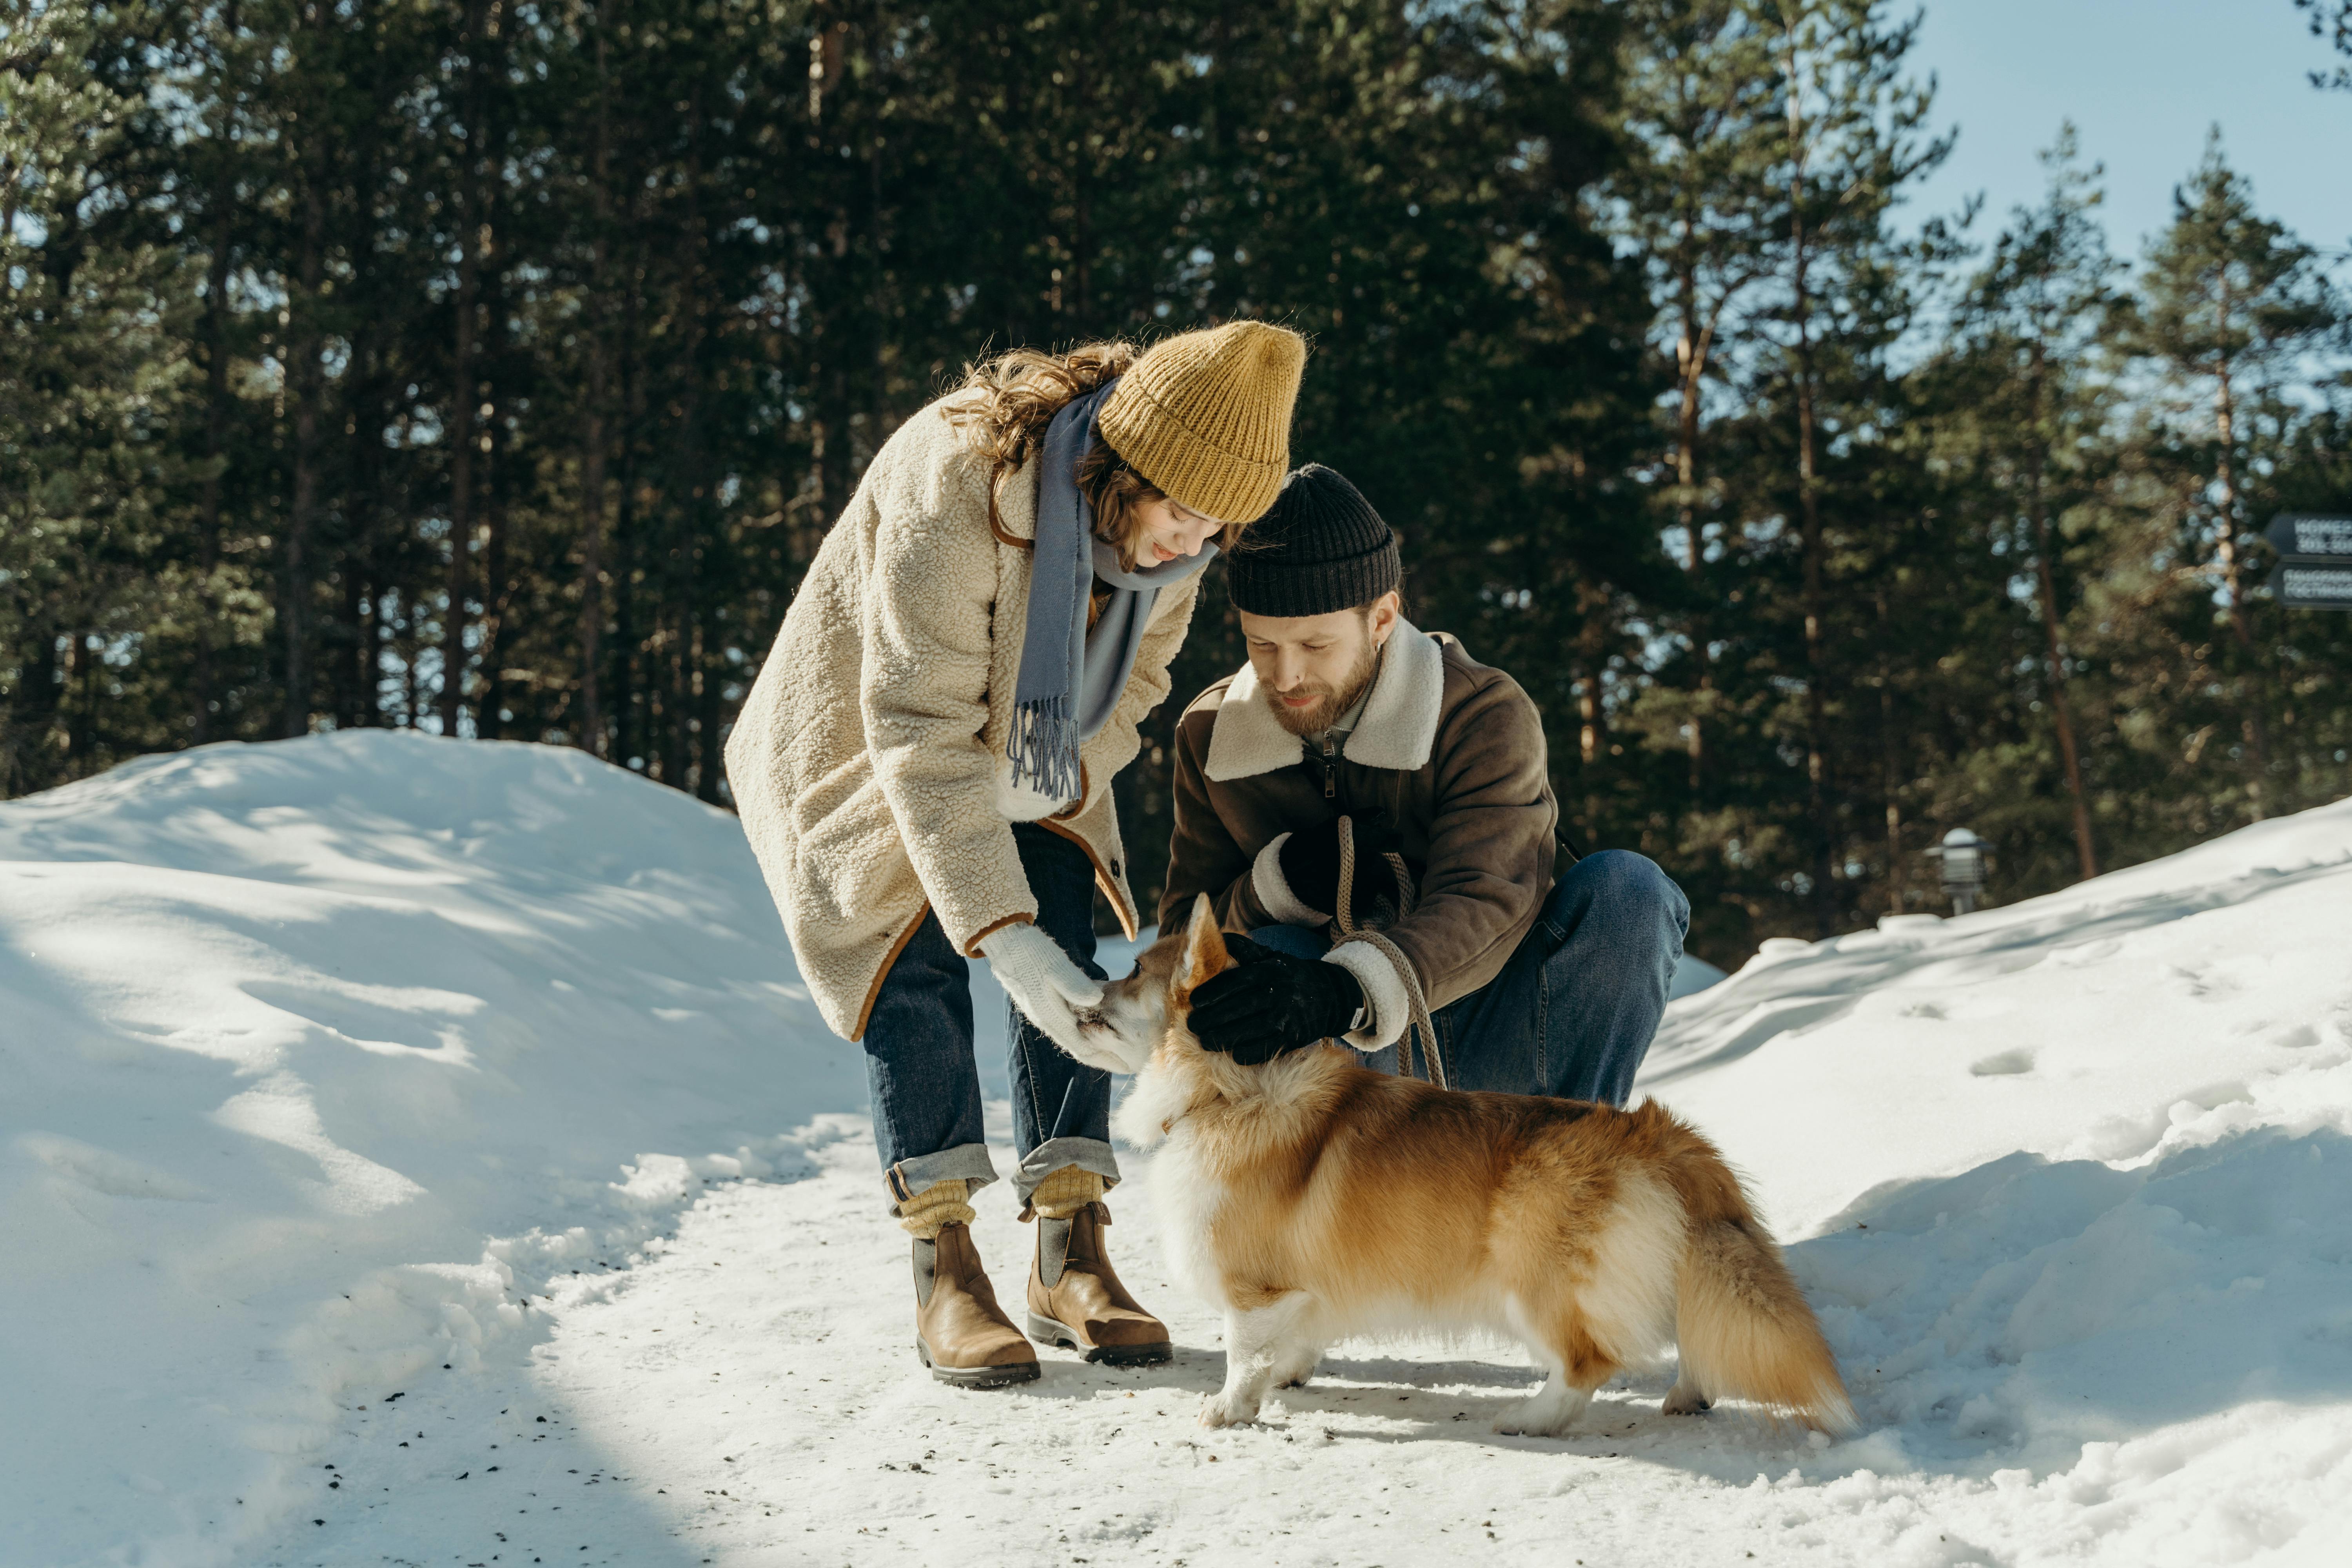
423	1152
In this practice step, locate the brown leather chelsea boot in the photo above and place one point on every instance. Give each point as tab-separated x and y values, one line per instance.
1076	1299
961	1332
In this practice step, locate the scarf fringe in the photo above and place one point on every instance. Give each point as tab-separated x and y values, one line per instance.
1044	748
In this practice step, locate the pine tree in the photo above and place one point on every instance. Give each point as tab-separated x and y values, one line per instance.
1701	202
94	371
1852	142
2027	403
2332	20
2230	305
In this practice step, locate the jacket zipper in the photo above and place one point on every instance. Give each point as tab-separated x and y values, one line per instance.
1330	769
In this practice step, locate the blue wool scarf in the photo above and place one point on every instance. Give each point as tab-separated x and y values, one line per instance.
1071	678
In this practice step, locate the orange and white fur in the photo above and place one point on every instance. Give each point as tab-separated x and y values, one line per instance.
1316	1200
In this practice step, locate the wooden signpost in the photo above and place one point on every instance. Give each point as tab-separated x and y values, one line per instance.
2315	569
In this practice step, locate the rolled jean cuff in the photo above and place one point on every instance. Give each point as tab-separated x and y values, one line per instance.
1086	1153
965	1161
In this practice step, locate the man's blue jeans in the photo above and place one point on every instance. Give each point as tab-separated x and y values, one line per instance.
918	1051
1572	1012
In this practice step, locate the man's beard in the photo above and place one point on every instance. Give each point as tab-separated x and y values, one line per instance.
1330	702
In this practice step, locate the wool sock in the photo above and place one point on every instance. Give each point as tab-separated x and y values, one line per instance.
941	1204
1064	1192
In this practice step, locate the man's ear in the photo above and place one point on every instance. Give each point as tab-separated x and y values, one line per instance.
1204	949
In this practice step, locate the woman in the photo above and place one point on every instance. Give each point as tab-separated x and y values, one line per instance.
924	769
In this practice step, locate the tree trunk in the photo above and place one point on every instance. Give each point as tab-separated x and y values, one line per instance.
363	554
2060	710
677	703
496	588
685	574
411	692
1890	754
2255	731
589	729
1817	783
498	592
366	665
74	707
463	393
710	767
305	379
589	732
629	731
1592	729
370	409
203	680
203	683
1691	353
1081	325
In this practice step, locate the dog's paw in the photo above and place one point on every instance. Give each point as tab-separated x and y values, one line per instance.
1228	1410
1541	1416
1682	1399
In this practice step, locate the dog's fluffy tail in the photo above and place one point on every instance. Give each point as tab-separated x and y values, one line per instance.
1745	1331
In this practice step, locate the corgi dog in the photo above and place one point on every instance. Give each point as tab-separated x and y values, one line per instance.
1316	1200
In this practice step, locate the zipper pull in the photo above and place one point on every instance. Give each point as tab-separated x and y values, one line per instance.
1331	772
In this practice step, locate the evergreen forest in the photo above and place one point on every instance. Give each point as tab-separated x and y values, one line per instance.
493	368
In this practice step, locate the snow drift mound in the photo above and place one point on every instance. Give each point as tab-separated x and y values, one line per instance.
319	1056
2078	1178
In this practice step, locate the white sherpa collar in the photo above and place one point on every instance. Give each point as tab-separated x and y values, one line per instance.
1398	729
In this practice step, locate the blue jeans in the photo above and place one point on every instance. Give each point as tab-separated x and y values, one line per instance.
920	1065
1573	1010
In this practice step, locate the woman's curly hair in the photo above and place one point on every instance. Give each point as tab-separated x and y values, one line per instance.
1009	401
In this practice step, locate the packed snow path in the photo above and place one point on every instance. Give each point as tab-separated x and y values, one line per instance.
423	1152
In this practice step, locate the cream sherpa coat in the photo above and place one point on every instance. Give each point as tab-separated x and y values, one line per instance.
868	762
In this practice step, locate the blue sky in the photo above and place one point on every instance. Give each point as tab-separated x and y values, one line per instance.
2142	79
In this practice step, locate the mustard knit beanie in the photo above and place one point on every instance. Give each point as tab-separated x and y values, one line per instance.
1205	416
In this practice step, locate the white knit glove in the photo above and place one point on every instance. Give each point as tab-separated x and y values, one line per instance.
1042	981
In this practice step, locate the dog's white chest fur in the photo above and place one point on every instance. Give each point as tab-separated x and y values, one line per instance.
1187	1191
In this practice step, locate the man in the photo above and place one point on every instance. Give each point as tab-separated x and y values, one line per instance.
1537	986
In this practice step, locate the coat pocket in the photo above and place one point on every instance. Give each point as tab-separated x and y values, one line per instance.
847	854
828	793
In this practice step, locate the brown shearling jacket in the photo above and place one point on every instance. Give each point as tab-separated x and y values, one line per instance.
1448	754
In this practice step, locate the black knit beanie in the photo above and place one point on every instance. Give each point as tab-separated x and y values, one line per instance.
1322	548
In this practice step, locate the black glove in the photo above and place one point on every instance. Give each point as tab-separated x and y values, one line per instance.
1310	863
1272	1003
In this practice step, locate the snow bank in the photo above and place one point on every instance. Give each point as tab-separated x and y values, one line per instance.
319	1058
2078	1178
2084	1025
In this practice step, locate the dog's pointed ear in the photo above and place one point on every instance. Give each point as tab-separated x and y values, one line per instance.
1204	948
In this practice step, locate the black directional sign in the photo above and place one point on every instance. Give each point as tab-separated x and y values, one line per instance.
2314	570
2311	534
2306	585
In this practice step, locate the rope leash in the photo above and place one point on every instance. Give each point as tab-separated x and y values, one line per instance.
1423	1028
